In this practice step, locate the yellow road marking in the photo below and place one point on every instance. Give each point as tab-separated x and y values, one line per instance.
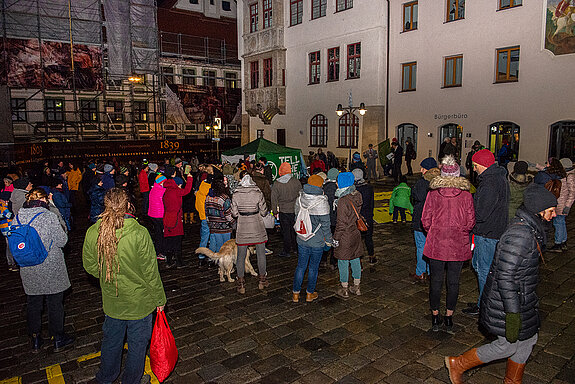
54	374
148	371
12	380
88	357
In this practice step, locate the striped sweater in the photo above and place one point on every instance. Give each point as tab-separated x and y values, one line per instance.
219	213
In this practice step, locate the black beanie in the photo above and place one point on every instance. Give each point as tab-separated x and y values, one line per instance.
169	171
520	167
537	198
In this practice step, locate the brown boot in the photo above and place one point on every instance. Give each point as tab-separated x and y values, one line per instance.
457	365
241	285
311	297
295	297
514	373
264	283
192	218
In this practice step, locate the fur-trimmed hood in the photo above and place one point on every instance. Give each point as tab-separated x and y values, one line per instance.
450	182
520	179
431	174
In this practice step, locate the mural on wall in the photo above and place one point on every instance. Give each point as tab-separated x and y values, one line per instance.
29	62
201	102
560	27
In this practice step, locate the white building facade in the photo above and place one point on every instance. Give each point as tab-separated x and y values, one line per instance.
322	53
492	71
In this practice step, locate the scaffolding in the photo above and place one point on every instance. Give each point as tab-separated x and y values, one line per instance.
83	53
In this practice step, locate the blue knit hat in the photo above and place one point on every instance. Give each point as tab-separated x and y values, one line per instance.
332	174
356	156
429	163
345	179
160	178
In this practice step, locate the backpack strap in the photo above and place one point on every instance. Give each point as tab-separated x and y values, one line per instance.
33	218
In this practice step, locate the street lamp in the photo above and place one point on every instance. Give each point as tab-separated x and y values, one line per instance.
350	110
216	127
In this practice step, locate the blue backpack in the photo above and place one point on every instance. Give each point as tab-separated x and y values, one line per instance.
25	243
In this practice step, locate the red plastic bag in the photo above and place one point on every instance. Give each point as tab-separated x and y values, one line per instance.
163	351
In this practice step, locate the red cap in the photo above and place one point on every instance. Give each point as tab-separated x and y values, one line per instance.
484	157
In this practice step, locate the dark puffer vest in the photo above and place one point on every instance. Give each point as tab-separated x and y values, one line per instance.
513	277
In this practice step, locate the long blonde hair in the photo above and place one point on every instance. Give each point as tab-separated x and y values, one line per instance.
116	205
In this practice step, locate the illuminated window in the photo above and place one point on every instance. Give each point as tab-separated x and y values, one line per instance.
353	60
54	110
231	80
409	76
140	111
89	110
507	65
296	12
314	67
455	9
453	71
115	110
333	64
410	16
318	131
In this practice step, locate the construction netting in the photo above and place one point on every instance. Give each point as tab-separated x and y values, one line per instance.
37	35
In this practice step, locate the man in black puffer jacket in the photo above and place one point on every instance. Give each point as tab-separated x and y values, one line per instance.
509	302
491	209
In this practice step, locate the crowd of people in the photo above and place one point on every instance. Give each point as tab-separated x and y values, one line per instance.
494	218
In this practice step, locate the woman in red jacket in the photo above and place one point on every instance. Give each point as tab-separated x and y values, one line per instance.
173	214
448	217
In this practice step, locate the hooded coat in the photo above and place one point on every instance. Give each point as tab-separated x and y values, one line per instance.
567	195
173	214
312	196
284	193
448	217
401	198
139	286
517	185
419	194
249	207
513	276
264	185
156	205
346	232
491	203
51	276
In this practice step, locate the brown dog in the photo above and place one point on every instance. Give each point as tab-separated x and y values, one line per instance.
226	258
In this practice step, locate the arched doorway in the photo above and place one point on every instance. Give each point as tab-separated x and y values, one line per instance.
452	130
504	131
405	131
562	143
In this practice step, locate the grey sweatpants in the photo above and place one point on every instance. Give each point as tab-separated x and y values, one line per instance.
519	351
241	262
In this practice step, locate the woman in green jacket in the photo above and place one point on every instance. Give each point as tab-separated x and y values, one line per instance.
120	253
400	200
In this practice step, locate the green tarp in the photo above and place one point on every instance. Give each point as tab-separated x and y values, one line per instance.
274	153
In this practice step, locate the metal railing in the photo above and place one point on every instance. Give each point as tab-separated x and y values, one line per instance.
205	49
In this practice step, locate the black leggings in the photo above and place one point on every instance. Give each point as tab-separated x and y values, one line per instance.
437	271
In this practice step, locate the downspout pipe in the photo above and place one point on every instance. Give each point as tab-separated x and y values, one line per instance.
387	76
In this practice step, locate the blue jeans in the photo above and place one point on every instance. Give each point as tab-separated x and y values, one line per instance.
311	256
343	266
421	266
139	335
218	239
204	235
560	229
482	259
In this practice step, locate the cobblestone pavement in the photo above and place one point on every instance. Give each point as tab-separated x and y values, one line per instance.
382	336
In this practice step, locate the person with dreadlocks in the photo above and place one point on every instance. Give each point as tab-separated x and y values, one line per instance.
120	253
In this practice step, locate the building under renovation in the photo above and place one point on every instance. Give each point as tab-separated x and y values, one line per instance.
86	70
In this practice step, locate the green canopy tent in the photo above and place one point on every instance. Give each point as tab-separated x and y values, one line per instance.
274	153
